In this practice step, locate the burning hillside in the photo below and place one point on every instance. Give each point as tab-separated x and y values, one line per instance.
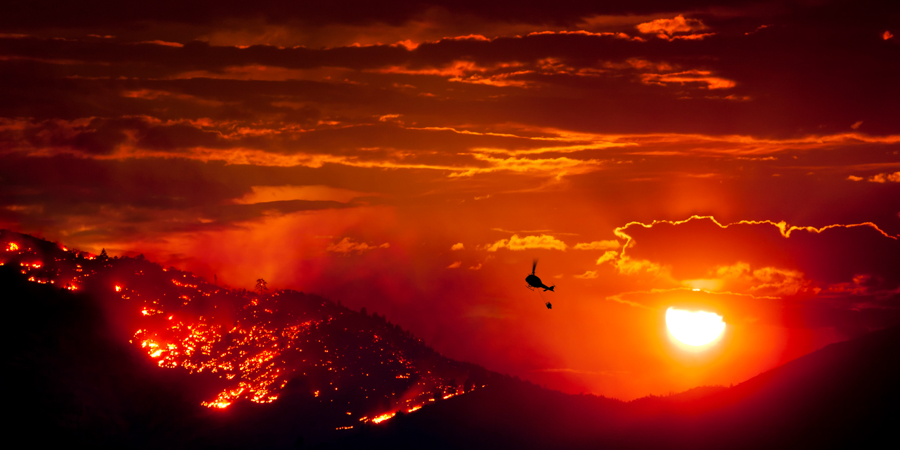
253	346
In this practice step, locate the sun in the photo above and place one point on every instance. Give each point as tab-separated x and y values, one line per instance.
694	328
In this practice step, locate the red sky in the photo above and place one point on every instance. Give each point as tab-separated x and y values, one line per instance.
414	157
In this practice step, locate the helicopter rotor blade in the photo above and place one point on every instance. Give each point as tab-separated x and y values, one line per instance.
534	266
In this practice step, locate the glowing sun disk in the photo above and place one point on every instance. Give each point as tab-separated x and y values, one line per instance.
694	328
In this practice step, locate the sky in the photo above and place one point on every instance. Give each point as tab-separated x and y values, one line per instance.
414	158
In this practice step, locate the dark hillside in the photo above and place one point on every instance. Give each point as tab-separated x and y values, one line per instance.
845	395
122	353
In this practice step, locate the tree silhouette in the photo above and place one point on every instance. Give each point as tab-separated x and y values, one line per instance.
261	285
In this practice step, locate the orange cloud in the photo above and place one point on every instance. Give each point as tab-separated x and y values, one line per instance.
609	255
466	72
517	243
347	245
457	246
782	226
558	166
597	245
885	177
689	76
678	24
766	280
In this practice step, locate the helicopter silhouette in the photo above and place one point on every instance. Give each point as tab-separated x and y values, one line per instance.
535	282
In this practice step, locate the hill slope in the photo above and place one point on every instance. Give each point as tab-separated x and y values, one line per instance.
123	353
263	356
846	395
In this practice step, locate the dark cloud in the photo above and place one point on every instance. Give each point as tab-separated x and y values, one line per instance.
837	259
816	77
110	14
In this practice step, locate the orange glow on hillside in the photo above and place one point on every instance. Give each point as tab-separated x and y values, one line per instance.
267	340
383	417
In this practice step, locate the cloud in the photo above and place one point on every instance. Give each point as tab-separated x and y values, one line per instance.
770	281
457	246
678	24
886	177
688	77
609	255
762	257
347	245
454	265
517	243
589	275
597	245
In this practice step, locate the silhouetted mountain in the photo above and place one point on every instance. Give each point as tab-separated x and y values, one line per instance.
122	353
846	395
329	368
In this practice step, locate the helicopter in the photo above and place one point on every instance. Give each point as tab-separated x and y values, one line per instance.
535	282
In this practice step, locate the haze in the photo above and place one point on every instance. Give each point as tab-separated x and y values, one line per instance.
415	158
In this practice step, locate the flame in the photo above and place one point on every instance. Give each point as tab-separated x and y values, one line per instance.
383	417
257	352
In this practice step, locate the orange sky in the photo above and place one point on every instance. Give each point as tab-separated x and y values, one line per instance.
415	158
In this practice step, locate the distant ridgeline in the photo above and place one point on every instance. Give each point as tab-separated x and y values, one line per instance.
256	345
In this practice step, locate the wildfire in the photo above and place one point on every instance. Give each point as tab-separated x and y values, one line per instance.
383	417
224	399
253	343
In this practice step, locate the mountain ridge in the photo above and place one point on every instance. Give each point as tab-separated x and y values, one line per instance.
77	376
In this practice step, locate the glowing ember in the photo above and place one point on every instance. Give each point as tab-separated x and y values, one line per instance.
383	417
256	343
